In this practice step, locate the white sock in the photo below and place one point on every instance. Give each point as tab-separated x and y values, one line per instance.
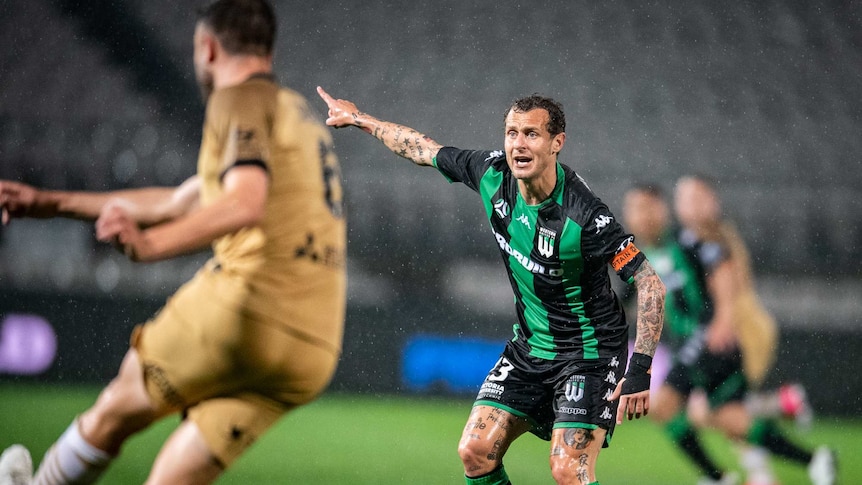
71	460
755	461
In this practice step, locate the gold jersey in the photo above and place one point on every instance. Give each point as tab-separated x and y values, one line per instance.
756	329
294	260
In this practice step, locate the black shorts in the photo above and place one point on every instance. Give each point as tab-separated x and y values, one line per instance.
719	375
555	393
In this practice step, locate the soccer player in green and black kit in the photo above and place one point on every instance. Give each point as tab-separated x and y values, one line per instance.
701	275
562	373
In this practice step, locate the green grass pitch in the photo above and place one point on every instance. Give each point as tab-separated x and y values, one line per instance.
363	439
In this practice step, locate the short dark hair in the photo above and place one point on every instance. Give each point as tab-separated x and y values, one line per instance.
241	26
556	117
649	188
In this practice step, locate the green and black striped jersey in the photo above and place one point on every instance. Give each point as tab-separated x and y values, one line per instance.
556	254
687	302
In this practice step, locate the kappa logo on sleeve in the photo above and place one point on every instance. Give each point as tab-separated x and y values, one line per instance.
494	154
602	221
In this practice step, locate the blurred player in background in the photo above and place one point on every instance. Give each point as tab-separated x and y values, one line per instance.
710	298
257	332
562	372
699	210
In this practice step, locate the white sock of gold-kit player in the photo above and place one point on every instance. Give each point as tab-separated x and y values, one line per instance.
755	462
72	460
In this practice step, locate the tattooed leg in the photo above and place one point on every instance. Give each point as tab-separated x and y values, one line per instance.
487	436
574	452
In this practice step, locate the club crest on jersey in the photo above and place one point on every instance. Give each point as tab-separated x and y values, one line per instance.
575	388
501	207
547	237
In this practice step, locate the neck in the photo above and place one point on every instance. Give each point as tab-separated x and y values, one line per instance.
236	69
537	190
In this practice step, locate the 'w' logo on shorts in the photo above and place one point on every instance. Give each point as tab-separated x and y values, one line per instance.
575	388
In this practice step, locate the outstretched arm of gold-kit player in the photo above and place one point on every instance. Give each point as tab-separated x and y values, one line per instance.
146	206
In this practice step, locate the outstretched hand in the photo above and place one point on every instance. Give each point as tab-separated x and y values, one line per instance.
16	200
341	112
116	226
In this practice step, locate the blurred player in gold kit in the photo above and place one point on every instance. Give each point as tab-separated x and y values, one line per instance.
257	332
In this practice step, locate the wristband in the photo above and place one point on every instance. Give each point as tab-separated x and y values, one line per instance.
637	378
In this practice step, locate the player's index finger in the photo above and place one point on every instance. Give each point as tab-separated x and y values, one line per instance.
323	94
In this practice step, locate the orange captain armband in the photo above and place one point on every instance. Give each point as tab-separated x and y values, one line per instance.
623	257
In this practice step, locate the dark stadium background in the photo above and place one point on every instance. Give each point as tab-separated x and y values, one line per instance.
764	97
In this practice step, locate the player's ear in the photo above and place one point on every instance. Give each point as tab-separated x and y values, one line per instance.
206	44
211	47
557	142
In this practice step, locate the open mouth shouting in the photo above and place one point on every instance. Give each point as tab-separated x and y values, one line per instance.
521	161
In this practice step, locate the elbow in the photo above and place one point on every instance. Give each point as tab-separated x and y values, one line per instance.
654	286
661	289
245	212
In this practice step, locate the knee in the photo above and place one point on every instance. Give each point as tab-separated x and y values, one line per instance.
477	457
568	470
733	420
116	415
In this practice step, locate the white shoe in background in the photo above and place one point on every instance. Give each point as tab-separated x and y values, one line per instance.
822	470
16	466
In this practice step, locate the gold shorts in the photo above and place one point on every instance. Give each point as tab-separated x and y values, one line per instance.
234	373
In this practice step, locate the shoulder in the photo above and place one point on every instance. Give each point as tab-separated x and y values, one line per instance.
481	160
579	202
487	156
254	92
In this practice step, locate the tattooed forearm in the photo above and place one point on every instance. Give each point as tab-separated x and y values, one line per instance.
650	317
401	140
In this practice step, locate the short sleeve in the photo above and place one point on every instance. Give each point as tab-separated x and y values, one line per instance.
465	166
246	128
605	239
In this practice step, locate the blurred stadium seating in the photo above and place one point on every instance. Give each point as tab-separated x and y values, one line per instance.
765	97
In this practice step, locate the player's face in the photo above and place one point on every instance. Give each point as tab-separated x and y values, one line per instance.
646	215
531	151
202	56
695	204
